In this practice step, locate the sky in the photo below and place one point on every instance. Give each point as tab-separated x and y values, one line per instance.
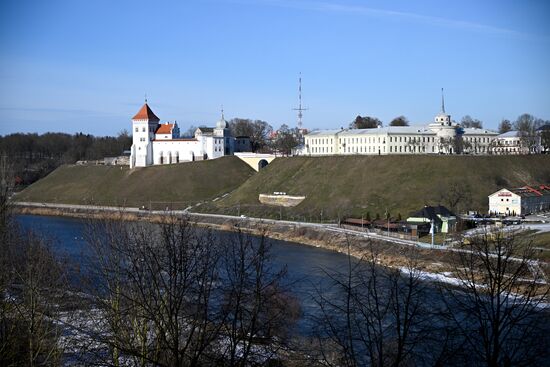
86	66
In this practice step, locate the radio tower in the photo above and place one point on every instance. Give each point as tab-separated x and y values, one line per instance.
300	109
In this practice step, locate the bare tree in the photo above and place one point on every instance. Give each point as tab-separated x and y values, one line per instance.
259	312
545	137
190	132
526	125
37	292
446	145
156	291
6	187
371	315
457	196
399	121
469	122
286	140
415	144
365	122
500	314
504	126
33	286
176	295
258	131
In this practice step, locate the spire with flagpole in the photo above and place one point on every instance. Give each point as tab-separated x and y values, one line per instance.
442	102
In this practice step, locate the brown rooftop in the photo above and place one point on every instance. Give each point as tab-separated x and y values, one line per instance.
145	113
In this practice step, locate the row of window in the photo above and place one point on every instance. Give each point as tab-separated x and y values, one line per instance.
478	140
375	149
321	141
321	149
425	139
509	142
143	129
392	139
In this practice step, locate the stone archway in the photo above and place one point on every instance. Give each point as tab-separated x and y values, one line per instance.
262	164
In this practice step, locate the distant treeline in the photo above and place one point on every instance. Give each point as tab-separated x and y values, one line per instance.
33	156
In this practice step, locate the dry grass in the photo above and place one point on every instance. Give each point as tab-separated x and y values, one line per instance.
176	186
343	186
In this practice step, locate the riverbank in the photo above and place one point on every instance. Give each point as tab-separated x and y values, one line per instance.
440	261
391	252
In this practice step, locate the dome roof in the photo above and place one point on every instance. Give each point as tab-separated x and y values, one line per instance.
222	124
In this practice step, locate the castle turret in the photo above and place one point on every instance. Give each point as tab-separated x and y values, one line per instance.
144	125
442	117
222	131
445	130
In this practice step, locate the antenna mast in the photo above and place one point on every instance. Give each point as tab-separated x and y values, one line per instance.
442	101
300	109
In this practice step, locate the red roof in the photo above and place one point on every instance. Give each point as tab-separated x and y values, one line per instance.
145	113
165	129
527	191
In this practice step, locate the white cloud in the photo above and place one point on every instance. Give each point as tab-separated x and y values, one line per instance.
323	6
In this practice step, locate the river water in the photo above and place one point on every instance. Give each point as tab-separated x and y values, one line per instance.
305	264
306	269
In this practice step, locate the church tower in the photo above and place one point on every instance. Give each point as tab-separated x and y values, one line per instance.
144	125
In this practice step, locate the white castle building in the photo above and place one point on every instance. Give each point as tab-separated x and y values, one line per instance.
160	143
440	137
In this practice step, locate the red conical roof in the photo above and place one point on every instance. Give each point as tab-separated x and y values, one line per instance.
145	113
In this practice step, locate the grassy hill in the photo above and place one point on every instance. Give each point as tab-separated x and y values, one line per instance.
172	185
355	185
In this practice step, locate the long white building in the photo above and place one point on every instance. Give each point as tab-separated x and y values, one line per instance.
160	143
439	137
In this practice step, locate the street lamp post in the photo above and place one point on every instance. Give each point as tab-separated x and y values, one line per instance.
388	219
432	231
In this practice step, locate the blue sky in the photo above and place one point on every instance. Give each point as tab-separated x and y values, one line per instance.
85	66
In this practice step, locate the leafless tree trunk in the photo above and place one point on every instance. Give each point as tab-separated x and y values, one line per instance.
176	295
371	315
157	291
259	312
501	314
33	286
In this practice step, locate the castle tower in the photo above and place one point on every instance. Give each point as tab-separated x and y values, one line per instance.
144	125
443	118
446	132
222	131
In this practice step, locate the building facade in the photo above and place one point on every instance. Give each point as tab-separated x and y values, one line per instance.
520	201
160	143
513	142
443	219
440	137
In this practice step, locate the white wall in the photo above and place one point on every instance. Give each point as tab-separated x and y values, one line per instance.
505	202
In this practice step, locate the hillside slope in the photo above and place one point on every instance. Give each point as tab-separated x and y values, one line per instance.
357	185
174	186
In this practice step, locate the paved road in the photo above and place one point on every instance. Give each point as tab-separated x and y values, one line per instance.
540	227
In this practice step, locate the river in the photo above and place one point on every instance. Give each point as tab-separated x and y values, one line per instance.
306	273
305	264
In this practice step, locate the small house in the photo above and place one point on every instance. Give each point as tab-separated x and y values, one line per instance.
444	220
